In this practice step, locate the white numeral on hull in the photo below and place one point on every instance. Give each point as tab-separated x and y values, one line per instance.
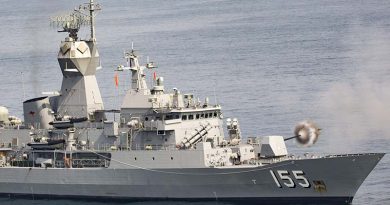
299	175
285	177
275	179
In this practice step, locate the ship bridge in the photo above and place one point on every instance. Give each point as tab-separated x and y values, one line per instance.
165	118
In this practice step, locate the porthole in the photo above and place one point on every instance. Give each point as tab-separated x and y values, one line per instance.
153	158
171	158
135	158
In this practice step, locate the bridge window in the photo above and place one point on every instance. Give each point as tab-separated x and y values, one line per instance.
168	117
184	117
171	117
197	116
190	117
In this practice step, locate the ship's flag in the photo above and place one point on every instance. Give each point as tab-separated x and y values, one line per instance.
116	79
154	76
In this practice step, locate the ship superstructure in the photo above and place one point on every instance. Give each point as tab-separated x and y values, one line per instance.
164	145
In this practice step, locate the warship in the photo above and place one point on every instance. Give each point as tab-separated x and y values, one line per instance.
163	146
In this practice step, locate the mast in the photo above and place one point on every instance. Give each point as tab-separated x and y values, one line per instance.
92	19
79	60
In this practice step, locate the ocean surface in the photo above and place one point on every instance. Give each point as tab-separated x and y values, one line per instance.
271	64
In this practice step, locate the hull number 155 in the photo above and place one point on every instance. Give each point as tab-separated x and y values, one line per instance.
286	178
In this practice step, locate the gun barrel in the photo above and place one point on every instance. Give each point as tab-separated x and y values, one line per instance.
289	138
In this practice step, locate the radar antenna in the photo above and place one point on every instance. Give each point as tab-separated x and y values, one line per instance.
81	16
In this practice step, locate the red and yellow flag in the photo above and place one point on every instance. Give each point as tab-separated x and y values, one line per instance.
116	79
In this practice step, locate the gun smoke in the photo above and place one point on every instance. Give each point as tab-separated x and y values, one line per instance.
358	106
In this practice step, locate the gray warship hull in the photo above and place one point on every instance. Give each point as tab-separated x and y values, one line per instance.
339	176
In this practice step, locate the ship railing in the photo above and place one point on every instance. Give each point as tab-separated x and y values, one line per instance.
271	160
60	164
304	156
321	155
288	157
137	147
84	163
81	163
8	145
165	147
347	155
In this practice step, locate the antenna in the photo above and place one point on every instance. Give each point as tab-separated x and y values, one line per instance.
81	16
92	17
215	96
24	91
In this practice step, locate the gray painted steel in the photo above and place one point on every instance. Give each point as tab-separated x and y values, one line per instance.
342	176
